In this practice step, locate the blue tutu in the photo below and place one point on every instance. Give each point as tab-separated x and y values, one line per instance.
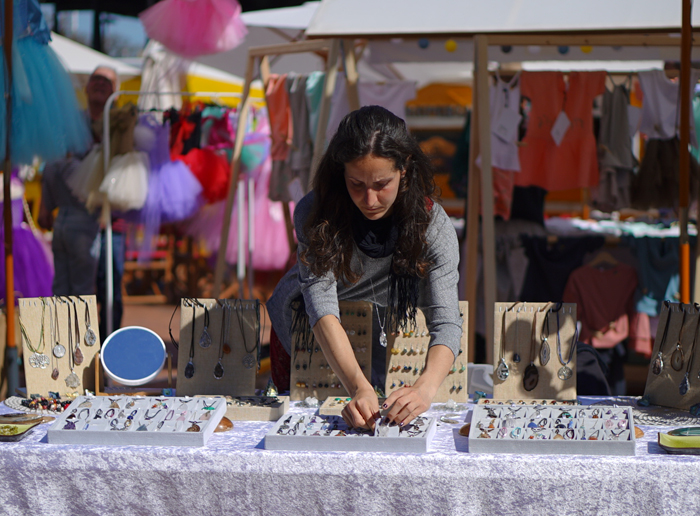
46	119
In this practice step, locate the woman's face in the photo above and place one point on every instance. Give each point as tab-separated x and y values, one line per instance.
373	184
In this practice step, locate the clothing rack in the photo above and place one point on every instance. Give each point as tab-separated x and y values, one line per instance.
107	215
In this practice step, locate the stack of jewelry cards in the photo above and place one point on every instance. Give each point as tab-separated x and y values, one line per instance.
305	432
552	429
127	420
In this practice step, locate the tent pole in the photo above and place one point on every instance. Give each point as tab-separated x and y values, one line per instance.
488	247
684	179
11	363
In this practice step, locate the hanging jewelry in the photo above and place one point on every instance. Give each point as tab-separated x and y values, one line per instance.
189	368
77	353
677	358
545	352
658	364
565	372
90	335
249	360
684	387
205	338
532	375
59	350
502	371
37	358
382	334
516	354
54	360
225	321
72	380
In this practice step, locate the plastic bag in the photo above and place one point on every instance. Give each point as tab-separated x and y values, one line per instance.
87	176
126	181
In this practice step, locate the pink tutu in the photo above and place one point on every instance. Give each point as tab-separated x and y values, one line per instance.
193	28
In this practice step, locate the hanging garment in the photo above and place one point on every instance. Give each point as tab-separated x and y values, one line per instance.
505	119
614	139
162	72
660	105
185	131
613	190
695	150
46	119
574	162
314	94
280	114
193	29
302	146
211	170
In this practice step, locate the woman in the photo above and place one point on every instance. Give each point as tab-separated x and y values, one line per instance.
371	231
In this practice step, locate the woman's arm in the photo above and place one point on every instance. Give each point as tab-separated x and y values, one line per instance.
364	407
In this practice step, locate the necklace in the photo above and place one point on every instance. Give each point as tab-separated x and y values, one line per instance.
249	360
54	360
225	316
678	357
545	352
189	368
502	371
90	335
59	350
205	338
532	375
77	353
684	387
382	334
565	372
37	359
516	354
72	380
658	364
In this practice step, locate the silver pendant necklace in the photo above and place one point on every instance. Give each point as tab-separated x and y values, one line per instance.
502	371
205	338
658	364
565	372
225	321
383	341
90	335
59	350
72	380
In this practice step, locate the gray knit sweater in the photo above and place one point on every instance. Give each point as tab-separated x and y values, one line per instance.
437	295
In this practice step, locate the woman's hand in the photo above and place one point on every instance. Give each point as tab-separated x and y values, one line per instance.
363	410
407	403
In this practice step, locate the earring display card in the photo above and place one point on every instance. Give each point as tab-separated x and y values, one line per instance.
303	432
219	347
534	351
673	379
406	354
310	374
127	420
60	338
256	408
553	429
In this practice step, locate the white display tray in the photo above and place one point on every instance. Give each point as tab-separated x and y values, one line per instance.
613	431
173	415
321	433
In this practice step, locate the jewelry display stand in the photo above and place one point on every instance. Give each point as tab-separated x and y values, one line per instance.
310	373
555	430
219	346
534	351
130	420
256	408
673	379
405	360
303	432
59	343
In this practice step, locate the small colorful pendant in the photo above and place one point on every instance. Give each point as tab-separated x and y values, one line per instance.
502	371
544	353
90	336
684	386
658	364
78	356
382	339
677	358
531	377
54	373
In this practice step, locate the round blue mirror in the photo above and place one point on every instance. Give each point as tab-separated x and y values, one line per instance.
133	355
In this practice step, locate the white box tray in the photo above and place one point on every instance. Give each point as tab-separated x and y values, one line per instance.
306	432
163	421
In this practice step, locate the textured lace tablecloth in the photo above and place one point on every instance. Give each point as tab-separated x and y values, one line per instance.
234	474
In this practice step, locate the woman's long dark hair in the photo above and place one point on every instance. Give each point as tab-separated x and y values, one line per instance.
375	131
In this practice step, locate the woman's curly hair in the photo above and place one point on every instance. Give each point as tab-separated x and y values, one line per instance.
369	131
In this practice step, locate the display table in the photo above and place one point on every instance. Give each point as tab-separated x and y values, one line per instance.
233	474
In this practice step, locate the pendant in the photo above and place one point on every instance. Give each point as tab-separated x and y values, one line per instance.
70	425
78	356
684	386
72	381
227	349
218	370
90	336
42	360
658	364
114	403
206	416
565	373
544	353
194	427
33	360
382	339
677	358
249	361
59	350
54	373
205	339
142	428
502	371
189	370
516	358
531	377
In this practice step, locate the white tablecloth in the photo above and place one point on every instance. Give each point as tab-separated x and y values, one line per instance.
234	474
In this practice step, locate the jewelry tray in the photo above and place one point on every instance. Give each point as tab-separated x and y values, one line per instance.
256	408
531	430
334	405
306	432
114	428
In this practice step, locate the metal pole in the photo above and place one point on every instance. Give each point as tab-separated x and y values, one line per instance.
251	234
684	161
